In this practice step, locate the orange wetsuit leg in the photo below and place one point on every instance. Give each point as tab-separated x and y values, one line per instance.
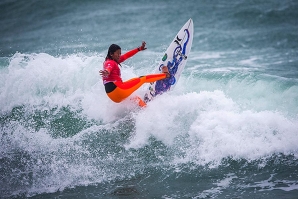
125	89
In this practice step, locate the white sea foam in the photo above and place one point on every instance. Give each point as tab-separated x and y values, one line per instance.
44	81
215	128
216	122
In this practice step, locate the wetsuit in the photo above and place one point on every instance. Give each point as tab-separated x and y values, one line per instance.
116	89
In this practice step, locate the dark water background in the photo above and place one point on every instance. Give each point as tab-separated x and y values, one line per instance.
228	130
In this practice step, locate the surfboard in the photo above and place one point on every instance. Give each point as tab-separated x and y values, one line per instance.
175	57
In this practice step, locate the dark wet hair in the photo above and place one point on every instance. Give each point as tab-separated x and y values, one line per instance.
113	48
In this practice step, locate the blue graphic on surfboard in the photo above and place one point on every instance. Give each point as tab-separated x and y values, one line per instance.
175	58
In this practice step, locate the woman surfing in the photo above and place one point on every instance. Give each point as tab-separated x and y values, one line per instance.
116	89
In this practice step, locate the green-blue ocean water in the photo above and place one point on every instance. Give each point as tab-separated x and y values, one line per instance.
229	129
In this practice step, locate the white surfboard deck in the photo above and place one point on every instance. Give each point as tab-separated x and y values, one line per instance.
175	57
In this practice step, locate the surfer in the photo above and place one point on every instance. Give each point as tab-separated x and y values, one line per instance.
116	89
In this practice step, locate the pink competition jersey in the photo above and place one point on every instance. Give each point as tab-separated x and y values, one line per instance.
113	67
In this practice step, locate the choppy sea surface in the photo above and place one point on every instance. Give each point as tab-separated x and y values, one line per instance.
229	129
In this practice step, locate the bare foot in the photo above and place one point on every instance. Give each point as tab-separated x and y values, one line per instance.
165	70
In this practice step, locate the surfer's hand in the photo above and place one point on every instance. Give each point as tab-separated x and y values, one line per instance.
143	46
104	73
